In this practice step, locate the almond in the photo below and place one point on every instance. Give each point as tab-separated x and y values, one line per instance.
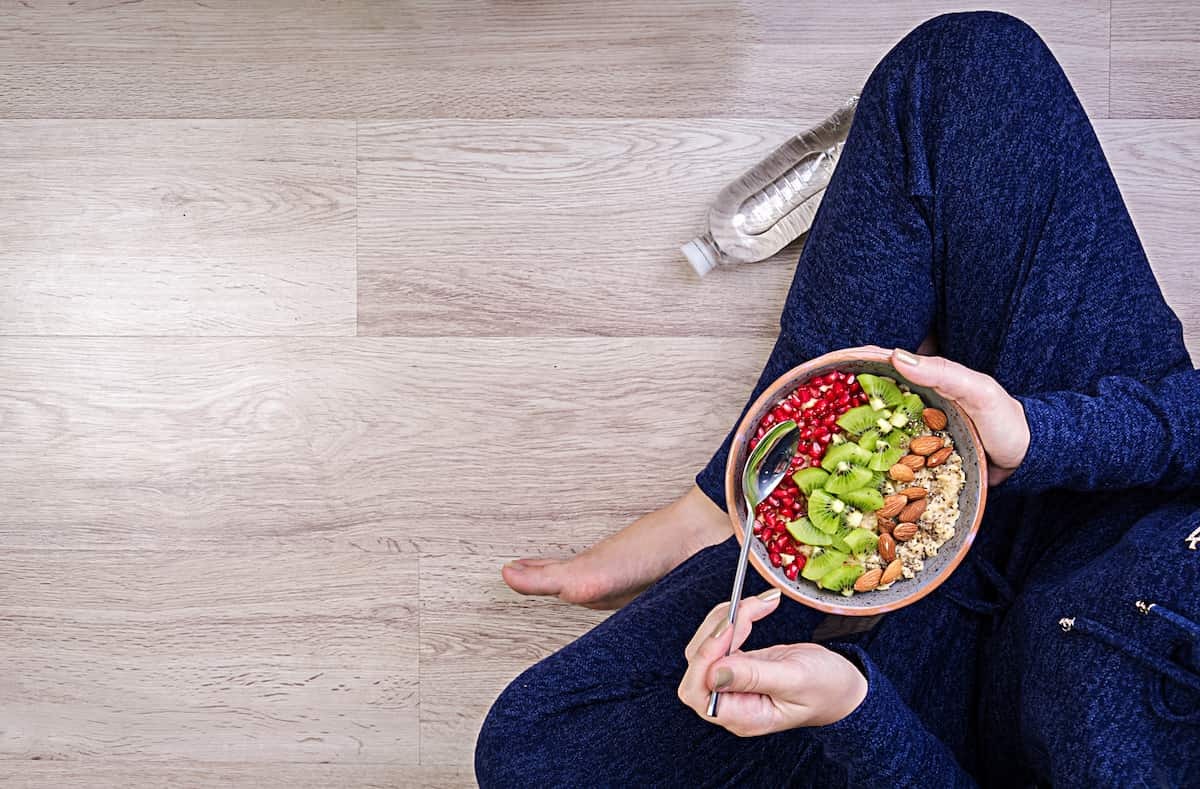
913	493
939	457
868	580
924	445
911	512
891	572
885	525
887	547
934	419
901	473
891	506
913	461
904	532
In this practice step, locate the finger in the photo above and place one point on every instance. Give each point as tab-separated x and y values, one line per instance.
975	391
755	673
533	580
751	610
718	642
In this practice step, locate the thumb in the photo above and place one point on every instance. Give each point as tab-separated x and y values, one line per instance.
745	673
533	579
974	391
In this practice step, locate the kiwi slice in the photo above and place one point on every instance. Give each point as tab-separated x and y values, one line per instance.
882	392
868	439
845	453
858	419
838	541
911	407
861	541
847	477
840	578
805	532
825	511
866	499
884	457
810	479
823	562
897	439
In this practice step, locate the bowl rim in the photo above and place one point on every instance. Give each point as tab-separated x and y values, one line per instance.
745	428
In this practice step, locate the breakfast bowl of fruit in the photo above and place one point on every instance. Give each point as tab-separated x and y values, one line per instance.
884	496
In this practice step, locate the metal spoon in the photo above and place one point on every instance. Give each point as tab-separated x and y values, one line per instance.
765	469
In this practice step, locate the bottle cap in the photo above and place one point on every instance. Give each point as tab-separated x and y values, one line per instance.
701	254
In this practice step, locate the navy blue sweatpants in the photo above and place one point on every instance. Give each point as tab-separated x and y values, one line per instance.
972	202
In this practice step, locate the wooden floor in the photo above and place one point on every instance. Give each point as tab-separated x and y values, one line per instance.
268	269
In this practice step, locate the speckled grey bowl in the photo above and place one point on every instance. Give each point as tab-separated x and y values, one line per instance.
970	503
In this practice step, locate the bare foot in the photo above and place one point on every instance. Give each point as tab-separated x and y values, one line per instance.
615	570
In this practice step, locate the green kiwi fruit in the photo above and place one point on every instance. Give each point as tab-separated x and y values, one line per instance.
838	540
882	392
810	479
805	532
911	407
845	453
861	541
884	457
858	419
840	579
821	563
868	439
825	511
897	439
847	477
866	499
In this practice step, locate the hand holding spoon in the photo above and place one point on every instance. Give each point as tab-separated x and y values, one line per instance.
765	469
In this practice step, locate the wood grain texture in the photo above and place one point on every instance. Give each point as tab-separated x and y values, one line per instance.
125	774
353	444
1157	165
215	656
376	58
177	227
1155	59
559	227
476	636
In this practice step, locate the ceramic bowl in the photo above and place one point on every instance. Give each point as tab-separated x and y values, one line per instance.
937	568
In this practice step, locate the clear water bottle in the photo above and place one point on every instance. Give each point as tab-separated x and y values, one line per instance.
774	202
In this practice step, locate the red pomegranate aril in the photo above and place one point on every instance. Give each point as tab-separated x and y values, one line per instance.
775	558
792	571
821	431
851	379
801	560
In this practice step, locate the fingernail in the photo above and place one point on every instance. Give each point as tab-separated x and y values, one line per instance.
721	628
769	595
723	679
906	357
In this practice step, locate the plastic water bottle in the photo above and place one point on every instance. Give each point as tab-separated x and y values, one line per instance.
774	202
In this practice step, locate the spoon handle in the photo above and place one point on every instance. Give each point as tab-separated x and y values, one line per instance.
738	580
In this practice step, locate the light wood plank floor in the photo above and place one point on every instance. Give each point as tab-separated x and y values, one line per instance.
256	260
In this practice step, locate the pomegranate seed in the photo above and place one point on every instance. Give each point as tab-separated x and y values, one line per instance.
801	560
851	379
776	560
806	433
821	432
792	571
